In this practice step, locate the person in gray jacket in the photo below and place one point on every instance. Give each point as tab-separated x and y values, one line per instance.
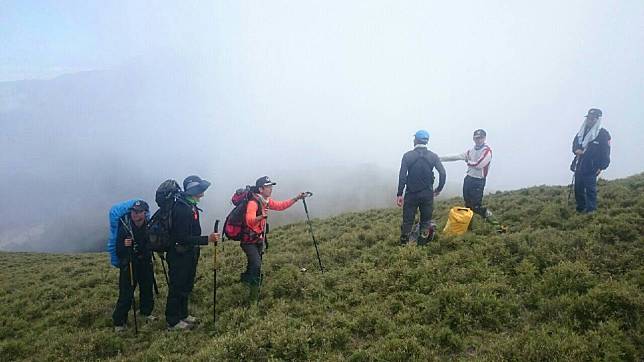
416	180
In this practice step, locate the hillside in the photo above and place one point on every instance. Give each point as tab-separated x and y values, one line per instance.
559	286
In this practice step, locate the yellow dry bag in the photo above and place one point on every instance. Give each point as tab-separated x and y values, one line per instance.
458	220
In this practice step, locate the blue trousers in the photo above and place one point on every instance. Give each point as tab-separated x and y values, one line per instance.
586	192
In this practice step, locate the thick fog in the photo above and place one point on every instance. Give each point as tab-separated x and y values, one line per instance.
102	102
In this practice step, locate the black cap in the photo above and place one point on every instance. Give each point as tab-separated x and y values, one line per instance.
480	133
140	205
264	181
594	112
194	185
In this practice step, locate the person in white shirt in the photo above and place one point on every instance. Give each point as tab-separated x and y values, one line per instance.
478	159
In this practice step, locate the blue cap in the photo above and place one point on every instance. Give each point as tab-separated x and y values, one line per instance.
422	135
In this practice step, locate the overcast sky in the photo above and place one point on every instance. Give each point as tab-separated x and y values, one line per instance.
325	84
356	78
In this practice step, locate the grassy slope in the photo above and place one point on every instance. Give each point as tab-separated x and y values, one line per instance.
559	286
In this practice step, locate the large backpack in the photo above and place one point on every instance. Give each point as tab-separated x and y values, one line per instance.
235	227
116	213
167	195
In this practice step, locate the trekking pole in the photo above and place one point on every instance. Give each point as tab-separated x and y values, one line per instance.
572	183
214	290
308	218
136	325
154	279
154	284
129	230
261	256
575	163
165	273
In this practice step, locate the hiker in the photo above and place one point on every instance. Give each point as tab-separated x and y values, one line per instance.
132	245
591	146
183	255
255	220
478	159
416	179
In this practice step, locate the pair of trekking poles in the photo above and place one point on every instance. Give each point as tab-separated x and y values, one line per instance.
317	252
131	272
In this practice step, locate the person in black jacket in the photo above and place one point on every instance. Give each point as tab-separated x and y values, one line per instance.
416	179
132	243
591	147
184	255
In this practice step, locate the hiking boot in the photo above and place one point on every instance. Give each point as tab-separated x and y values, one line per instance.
422	238
415	234
432	231
190	319
181	326
404	239
149	318
120	329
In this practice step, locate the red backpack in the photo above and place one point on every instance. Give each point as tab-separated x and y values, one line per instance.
235	227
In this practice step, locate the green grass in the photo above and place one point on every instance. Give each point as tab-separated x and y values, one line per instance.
559	286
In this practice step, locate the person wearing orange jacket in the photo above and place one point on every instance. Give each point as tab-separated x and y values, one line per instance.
255	221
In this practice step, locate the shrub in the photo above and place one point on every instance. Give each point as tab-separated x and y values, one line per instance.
558	286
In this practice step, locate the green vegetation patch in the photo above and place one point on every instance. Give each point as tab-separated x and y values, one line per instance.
559	286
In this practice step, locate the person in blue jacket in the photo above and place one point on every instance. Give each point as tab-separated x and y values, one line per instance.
591	146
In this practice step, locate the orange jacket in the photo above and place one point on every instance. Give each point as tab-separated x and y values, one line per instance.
257	223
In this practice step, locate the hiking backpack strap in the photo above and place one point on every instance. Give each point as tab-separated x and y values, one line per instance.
422	156
249	234
128	226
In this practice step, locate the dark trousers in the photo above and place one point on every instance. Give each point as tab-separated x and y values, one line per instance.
586	192
254	253
193	270
473	194
143	274
182	269
423	201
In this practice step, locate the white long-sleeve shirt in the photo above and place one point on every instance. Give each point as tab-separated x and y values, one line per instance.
478	161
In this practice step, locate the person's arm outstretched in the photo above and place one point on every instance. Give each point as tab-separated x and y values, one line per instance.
449	158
